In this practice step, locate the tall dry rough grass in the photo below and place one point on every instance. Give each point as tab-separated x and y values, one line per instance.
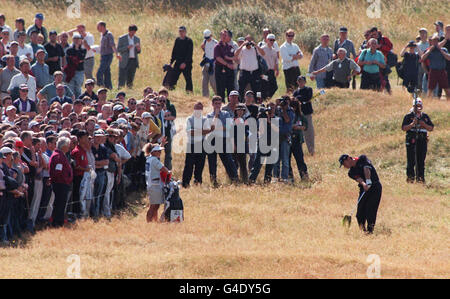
288	231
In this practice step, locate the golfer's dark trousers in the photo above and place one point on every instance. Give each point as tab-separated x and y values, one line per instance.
75	205
368	207
297	152
253	78
411	157
270	86
187	73
290	77
370	81
224	80
227	162
46	194
194	163
126	74
61	193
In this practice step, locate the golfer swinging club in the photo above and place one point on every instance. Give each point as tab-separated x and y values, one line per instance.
362	171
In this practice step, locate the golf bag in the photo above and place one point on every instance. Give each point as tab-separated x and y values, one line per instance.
170	77
173	205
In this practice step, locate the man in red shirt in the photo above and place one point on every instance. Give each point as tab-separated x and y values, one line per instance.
61	177
79	155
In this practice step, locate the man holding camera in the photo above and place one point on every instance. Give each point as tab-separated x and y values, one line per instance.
437	75
287	117
416	124
248	64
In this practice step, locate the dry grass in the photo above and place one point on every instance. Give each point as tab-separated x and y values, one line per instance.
269	231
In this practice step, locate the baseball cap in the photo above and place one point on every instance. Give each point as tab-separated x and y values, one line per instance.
439	23
11	107
58	73
102	90
118	108
53	32
157	149
13	43
39	16
412	44
182	28
121	93
6	150
5	30
271	36
23	87
342	159
146	115
99	133
32	124
241	39
249	94
19	144
343	29
207	33
39	51
121	121
76	35
435	36
301	78
89	81
234	93
423	29
417	101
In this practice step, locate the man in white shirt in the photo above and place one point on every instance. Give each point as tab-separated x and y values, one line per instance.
24	78
25	50
266	33
290	53
248	64
423	45
208	77
269	82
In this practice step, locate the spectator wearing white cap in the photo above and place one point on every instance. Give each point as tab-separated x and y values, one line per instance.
154	168
233	101
88	43
10	115
271	55
207	64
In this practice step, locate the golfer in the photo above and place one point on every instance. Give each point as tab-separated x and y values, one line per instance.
362	171
416	124
153	170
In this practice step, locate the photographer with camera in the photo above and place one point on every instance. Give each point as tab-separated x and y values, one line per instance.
269	115
304	95
287	118
248	64
416	124
300	125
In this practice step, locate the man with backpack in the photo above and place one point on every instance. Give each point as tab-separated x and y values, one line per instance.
372	63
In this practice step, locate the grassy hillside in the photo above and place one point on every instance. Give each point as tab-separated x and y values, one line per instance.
289	231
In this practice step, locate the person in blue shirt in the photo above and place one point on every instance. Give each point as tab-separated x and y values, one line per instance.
371	61
287	118
40	70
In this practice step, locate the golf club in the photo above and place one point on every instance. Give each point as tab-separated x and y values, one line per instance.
347	220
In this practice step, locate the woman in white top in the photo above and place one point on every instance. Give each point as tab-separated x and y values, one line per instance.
153	170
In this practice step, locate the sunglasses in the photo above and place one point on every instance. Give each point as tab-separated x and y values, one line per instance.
131	103
272	40
290	35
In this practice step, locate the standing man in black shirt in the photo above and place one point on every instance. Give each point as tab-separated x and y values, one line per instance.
416	124
304	95
182	56
224	72
55	59
75	65
370	189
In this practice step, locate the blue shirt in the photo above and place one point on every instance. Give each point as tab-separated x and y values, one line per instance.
37	47
437	60
41	73
367	55
286	127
